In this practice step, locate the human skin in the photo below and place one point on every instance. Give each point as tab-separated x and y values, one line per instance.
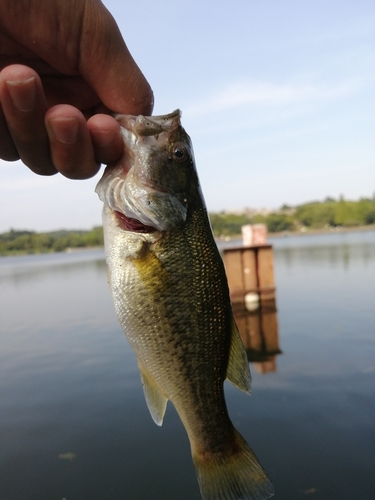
64	67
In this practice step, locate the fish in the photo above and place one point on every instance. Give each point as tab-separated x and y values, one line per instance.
171	297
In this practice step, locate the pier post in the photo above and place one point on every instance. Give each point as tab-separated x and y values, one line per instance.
251	281
250	270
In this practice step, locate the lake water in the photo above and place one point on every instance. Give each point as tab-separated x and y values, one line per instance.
73	421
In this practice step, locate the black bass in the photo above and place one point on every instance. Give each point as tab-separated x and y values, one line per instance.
171	298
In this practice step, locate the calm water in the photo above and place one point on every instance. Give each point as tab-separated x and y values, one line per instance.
73	421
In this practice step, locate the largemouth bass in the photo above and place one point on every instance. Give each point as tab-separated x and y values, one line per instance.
171	298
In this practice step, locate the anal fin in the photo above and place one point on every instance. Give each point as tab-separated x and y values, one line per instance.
238	371
155	399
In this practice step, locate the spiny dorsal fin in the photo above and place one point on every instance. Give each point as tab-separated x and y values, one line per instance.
238	371
155	399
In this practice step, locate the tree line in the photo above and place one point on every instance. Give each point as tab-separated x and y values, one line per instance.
326	214
329	213
26	242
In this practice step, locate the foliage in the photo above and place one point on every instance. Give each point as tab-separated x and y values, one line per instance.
313	215
316	214
227	224
277	222
21	242
331	213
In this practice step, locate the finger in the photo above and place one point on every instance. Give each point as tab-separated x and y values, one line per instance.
71	147
8	150
107	65
106	137
24	104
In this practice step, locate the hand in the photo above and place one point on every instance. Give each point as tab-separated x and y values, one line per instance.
64	67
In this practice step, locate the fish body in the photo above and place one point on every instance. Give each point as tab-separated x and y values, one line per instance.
171	297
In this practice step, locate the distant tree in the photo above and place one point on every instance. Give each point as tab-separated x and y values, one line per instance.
14	241
312	215
21	242
41	243
349	213
258	219
316	215
370	217
277	222
227	224
94	238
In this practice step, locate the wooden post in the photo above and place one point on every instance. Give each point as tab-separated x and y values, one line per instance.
266	281
234	270
252	291
250	270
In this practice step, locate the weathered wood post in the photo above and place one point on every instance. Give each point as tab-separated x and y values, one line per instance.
251	283
250	268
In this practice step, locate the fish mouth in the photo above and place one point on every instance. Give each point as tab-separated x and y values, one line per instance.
125	187
137	205
133	225
147	126
119	190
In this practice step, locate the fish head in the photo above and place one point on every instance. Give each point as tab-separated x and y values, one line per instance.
155	183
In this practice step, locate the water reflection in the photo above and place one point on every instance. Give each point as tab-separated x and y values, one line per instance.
259	334
69	382
343	250
28	268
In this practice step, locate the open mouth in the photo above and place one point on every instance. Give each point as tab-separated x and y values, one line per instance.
134	225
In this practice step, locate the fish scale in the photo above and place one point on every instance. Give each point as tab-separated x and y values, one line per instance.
171	297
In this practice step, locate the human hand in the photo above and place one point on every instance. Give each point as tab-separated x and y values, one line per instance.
64	67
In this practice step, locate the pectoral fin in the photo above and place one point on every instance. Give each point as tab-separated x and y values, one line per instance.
238	371
155	399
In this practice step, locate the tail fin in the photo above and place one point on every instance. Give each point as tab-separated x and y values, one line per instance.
235	477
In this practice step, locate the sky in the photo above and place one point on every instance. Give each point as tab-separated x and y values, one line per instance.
277	96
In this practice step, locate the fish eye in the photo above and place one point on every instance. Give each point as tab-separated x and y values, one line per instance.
180	152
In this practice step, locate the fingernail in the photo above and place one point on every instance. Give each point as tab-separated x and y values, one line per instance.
22	93
64	129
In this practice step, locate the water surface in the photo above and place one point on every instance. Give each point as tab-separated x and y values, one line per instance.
73	421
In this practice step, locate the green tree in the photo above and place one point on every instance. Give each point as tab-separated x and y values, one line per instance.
228	224
277	222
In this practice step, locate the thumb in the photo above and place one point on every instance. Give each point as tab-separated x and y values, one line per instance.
108	67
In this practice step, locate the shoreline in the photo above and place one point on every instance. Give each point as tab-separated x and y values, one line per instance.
238	237
331	230
308	232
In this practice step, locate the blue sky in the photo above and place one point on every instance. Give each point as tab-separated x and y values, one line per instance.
277	96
